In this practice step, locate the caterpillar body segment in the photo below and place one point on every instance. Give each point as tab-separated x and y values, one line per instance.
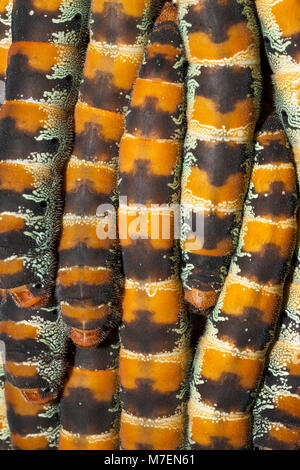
155	354
51	73
36	132
91	389
231	355
276	414
33	426
280	25
223	97
34	347
53	21
89	276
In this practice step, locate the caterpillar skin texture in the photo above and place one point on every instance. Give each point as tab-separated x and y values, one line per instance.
276	423
5	42
88	278
223	93
35	135
33	426
231	354
276	414
154	355
90	403
5	443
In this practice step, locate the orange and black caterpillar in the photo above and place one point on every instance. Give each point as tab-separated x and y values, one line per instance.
36	135
276	414
223	94
88	278
43	73
231	354
155	353
88	275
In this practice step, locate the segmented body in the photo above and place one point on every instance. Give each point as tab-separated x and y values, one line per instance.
231	354
5	42
154	355
36	121
277	415
33	426
90	409
88	282
223	93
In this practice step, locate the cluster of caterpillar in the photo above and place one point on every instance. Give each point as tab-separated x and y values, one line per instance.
88	276
231	355
155	352
223	96
276	413
41	62
36	130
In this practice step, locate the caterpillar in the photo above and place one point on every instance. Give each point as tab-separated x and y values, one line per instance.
155	352
36	128
36	134
276	414
223	98
231	355
5	41
89	278
87	281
